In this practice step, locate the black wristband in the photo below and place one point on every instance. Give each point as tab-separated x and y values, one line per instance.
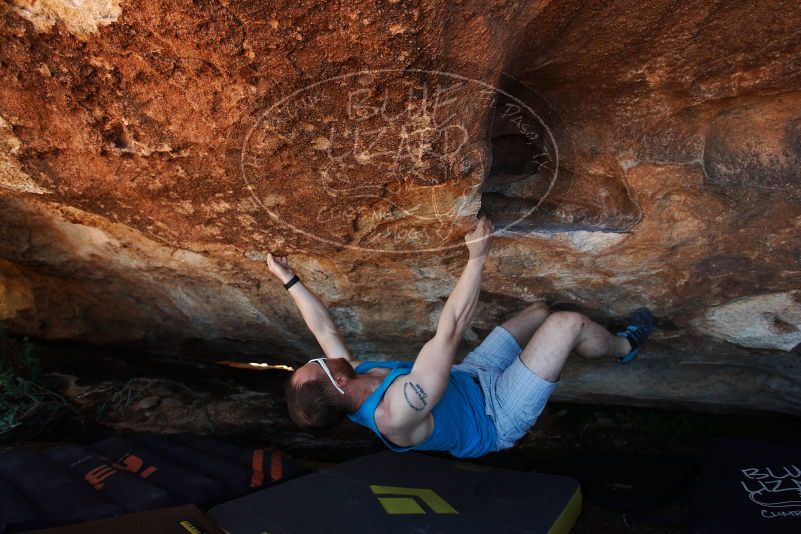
292	281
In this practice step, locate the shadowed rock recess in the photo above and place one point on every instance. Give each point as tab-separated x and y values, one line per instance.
152	154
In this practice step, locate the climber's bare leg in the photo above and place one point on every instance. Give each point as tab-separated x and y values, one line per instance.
523	325
562	332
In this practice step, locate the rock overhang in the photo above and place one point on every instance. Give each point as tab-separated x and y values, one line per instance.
128	219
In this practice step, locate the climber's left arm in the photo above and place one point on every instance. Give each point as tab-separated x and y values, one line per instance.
314	312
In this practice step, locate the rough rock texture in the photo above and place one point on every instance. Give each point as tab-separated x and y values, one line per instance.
762	321
630	154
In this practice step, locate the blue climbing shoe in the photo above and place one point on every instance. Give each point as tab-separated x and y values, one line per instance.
640	327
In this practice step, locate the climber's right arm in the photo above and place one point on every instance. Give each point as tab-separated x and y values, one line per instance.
413	396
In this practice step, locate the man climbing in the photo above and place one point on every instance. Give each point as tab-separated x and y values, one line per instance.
484	404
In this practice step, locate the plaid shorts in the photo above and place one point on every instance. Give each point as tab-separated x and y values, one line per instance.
514	396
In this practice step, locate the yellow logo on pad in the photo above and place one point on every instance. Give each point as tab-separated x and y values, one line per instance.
408	505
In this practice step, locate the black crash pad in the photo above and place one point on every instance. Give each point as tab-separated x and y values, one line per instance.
130	492
16	509
186	485
178	520
628	482
266	465
60	496
747	488
233	476
74	483
406	492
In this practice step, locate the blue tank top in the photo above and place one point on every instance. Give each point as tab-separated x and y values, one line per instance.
461	424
